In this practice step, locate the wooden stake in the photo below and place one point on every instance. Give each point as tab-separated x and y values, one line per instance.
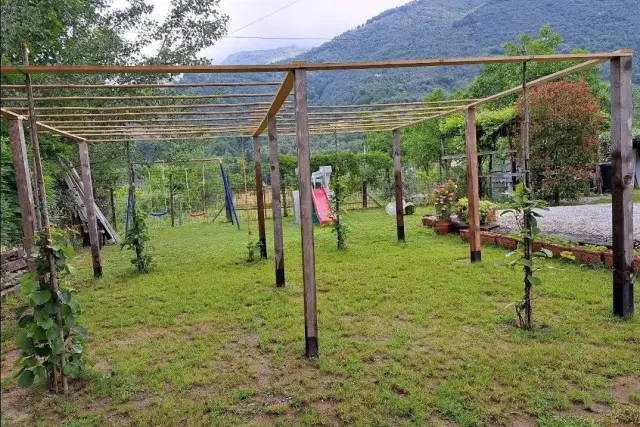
171	201
180	209
397	174
278	246
306	219
25	191
44	212
114	216
623	165
257	163
92	223
472	185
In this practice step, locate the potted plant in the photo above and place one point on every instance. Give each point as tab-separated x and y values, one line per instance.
443	199
588	254
429	220
488	211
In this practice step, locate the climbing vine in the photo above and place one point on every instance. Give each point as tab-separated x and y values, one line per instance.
136	239
339	227
50	338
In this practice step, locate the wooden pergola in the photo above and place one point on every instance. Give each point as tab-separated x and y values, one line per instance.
281	112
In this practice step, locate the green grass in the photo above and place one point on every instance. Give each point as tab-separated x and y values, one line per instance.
410	334
605	199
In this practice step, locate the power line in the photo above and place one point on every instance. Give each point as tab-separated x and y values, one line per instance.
264	17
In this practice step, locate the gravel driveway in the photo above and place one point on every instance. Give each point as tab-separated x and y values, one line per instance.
584	222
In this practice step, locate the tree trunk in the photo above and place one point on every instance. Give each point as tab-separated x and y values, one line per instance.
283	192
364	194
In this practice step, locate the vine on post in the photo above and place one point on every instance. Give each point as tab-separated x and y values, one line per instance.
339	227
50	339
136	239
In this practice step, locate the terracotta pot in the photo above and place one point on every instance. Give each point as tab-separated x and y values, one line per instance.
487	238
537	246
442	227
607	257
507	242
556	250
428	220
465	235
584	256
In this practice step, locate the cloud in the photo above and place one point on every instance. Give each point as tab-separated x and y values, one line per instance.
307	18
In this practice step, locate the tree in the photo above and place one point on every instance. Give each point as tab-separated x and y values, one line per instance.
565	123
421	143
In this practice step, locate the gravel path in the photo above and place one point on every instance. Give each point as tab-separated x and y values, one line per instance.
584	222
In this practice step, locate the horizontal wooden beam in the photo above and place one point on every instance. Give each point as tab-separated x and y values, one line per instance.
136	86
159	113
140	98
269	68
146	107
396	104
278	101
11	115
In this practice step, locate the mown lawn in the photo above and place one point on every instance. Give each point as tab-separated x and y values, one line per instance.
410	334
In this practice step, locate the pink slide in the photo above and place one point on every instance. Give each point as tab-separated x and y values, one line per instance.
321	203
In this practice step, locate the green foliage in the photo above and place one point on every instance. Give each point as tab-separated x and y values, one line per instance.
523	207
288	165
338	226
49	321
10	219
488	210
137	239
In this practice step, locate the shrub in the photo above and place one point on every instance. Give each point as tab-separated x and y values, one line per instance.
488	211
443	199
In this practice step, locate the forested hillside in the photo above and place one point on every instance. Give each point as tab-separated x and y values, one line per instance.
437	28
266	56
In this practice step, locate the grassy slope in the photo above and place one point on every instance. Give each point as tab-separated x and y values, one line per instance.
409	334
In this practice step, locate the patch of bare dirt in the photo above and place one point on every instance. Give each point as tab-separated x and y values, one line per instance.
623	387
141	399
15	403
181	316
8	361
145	334
523	421
435	420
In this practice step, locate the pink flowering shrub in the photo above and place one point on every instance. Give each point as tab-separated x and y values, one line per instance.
444	199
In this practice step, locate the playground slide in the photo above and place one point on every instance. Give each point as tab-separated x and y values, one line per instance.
321	204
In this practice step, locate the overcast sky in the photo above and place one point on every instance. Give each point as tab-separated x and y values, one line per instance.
305	18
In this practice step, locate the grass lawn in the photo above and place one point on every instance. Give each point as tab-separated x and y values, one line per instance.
410	334
606	198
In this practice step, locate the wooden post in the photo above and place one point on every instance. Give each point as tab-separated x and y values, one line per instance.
306	219
283	192
114	216
173	215
397	174
623	166
44	213
180	209
275	202
257	163
364	194
472	185
89	203
25	191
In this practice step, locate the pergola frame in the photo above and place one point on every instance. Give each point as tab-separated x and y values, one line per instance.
300	119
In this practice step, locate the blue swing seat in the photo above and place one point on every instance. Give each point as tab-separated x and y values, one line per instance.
158	214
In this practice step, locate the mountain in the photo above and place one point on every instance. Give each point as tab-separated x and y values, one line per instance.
454	28
267	56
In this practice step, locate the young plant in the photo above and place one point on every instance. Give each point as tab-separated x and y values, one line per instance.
339	227
443	199
523	207
50	339
488	211
136	239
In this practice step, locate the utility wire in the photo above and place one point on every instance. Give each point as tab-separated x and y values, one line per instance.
264	17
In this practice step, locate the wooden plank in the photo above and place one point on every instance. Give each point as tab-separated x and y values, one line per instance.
89	203
143	107
257	164
10	114
12	256
139	97
306	220
136	86
13	266
269	68
158	113
472	185
397	176
23	184
277	103
276	205
623	167
171	200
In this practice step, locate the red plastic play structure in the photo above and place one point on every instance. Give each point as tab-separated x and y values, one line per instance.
321	205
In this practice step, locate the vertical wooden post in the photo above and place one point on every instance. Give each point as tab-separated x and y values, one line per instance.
257	163
283	192
92	223
114	216
44	213
364	194
306	209
472	185
397	175
173	214
623	165
25	191
180	209
278	246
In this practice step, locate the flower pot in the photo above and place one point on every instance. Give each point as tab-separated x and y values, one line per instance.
465	235
428	220
607	257
507	242
442	227
487	238
556	250
584	256
537	246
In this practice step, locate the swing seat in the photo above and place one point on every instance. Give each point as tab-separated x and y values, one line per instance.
198	214
159	214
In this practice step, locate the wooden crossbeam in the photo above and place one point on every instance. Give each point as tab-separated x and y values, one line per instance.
136	86
277	103
269	68
140	98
